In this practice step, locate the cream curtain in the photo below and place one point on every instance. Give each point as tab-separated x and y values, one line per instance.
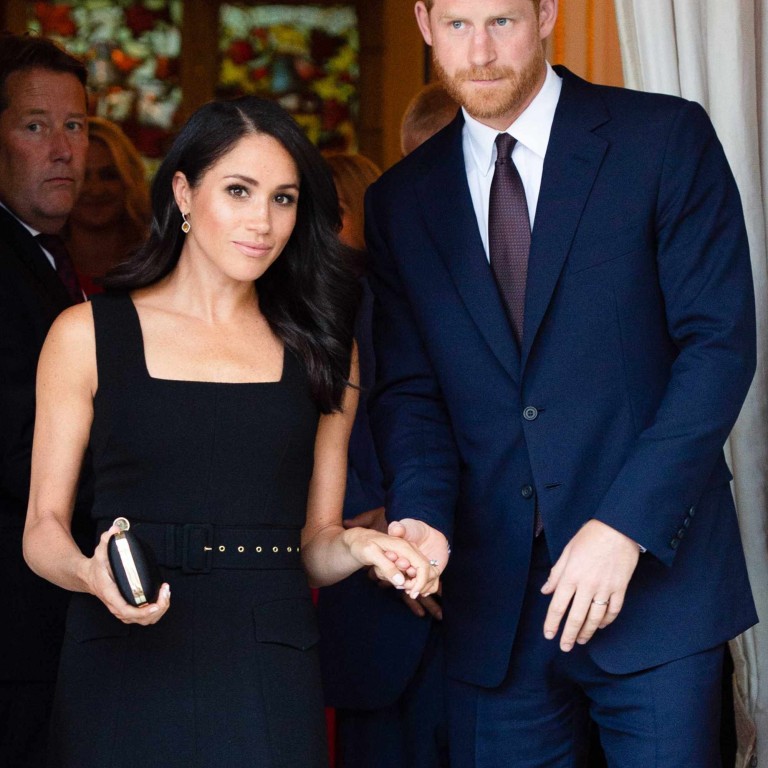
715	52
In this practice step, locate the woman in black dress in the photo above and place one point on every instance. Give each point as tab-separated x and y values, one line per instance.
211	385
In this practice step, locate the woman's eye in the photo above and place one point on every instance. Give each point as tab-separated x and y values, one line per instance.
237	190
284	199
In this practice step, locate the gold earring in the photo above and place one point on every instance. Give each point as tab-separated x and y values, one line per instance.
186	226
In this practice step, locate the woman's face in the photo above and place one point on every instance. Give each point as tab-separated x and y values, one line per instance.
101	203
243	210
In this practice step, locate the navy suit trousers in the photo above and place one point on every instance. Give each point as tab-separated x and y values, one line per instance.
664	717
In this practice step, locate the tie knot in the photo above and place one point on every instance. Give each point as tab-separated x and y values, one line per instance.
504	146
52	243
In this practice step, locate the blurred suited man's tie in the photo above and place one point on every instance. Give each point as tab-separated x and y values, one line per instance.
64	266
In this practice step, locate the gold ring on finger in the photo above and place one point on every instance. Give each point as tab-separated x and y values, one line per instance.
600	602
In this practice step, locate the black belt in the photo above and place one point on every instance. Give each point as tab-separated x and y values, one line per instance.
200	547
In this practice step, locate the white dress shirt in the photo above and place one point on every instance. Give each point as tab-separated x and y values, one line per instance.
531	130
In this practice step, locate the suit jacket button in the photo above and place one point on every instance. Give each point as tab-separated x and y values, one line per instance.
692	512
526	491
530	413
674	543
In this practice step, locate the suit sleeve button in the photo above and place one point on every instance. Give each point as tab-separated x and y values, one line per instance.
687	522
530	413
674	543
692	512
526	491
681	533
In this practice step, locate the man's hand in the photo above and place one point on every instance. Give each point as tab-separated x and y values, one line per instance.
371	518
591	576
425	606
429	541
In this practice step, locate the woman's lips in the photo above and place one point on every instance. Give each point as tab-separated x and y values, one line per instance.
251	248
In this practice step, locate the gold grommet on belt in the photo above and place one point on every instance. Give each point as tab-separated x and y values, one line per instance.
222	548
290	549
241	549
207	549
258	549
275	549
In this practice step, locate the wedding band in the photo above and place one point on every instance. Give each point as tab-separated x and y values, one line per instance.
433	563
600	602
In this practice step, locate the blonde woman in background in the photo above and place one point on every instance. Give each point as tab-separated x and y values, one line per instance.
112	214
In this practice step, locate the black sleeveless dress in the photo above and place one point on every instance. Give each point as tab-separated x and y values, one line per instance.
214	477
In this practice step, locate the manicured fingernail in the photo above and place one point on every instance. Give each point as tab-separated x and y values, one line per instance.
549	635
581	641
166	592
566	647
398	579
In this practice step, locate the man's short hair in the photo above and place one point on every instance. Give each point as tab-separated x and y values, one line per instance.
430	3
23	52
428	111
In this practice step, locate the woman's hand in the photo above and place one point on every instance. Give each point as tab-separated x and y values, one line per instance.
97	574
385	554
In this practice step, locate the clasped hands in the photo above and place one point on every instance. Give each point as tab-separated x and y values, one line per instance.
591	575
431	544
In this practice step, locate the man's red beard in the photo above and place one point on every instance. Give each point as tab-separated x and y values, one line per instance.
510	95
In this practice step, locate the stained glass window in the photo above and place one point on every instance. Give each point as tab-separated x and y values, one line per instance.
306	57
132	52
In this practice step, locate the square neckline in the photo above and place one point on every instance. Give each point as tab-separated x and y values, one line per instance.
150	377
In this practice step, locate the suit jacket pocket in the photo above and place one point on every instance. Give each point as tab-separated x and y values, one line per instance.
89	619
593	247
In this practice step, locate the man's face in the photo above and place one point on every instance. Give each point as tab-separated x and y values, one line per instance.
488	53
43	146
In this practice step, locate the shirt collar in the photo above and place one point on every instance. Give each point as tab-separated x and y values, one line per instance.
531	129
34	232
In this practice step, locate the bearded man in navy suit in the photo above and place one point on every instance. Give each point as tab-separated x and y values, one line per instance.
595	409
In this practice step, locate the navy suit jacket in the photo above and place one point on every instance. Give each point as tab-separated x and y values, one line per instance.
638	350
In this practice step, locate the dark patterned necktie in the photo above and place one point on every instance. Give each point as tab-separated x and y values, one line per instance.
64	266
509	244
509	233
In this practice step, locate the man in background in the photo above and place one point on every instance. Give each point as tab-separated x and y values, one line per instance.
382	661
428	112
43	144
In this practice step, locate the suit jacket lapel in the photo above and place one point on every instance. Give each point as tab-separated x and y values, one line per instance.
20	244
445	199
573	158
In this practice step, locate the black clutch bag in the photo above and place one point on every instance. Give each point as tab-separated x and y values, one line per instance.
133	566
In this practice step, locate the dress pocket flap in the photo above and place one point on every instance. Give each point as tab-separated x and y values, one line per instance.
286	622
89	619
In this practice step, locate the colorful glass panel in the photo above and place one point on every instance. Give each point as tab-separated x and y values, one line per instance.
132	52
305	57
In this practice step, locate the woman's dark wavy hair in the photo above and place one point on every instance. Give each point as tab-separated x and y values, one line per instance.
309	294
